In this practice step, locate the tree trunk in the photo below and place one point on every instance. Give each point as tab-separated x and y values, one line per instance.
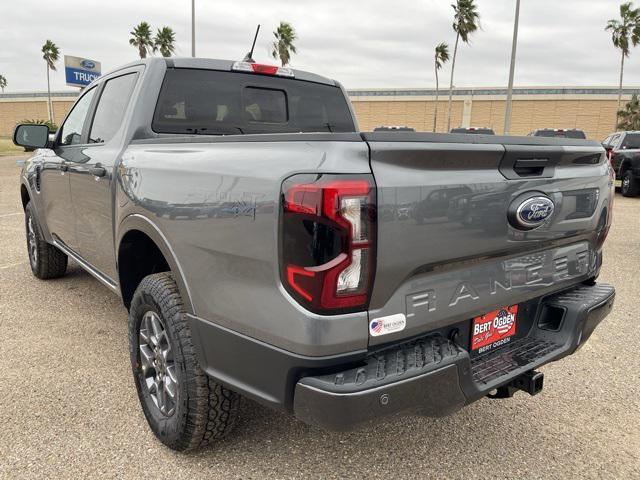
453	66
435	109
49	104
620	91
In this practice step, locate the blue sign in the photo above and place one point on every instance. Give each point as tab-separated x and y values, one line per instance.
80	72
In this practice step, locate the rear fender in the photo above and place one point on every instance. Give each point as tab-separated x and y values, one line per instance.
146	226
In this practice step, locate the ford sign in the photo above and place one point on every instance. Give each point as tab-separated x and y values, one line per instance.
532	212
80	72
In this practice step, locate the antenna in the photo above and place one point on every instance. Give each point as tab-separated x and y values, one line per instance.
249	56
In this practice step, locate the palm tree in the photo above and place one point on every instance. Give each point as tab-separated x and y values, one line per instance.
629	117
50	54
3	82
441	57
283	47
164	41
465	22
142	39
624	33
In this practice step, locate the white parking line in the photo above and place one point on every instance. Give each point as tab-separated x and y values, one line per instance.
11	214
4	267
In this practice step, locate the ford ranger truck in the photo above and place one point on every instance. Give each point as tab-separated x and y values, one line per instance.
266	248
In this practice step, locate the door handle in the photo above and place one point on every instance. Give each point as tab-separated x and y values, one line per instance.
63	167
97	171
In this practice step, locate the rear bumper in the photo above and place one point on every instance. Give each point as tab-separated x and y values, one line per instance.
433	376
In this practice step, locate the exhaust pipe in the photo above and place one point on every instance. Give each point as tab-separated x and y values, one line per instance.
530	382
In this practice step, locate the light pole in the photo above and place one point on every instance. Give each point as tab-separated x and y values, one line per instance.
193	28
507	113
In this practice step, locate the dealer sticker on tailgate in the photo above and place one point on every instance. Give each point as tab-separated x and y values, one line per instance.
493	329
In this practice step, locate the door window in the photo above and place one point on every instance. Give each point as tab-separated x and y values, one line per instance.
111	107
71	133
614	141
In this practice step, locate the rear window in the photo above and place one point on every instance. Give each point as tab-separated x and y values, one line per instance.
631	142
222	103
579	134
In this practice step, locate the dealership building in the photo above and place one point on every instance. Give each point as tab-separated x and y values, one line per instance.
592	109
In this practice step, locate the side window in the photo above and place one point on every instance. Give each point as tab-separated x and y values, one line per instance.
71	133
614	141
111	107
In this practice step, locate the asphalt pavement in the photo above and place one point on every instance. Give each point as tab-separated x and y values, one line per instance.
68	406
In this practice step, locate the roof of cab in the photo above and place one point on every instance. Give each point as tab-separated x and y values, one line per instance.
216	64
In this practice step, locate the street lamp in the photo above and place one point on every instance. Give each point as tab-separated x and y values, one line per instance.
193	28
507	114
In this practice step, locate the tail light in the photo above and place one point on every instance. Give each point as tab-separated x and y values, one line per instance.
327	241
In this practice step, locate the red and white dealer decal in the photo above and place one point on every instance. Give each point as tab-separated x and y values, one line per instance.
493	329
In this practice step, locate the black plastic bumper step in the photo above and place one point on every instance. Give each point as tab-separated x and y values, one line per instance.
392	365
519	353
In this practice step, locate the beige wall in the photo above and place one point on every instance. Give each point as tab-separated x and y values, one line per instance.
595	117
13	111
416	114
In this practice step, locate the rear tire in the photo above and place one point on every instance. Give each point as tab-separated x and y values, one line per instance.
629	184
46	260
200	410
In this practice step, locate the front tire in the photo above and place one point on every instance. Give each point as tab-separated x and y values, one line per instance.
46	260
629	184
183	406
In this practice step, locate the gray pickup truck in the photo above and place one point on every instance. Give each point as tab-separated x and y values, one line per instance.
266	248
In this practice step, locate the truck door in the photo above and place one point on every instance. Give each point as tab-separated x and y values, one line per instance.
90	177
54	176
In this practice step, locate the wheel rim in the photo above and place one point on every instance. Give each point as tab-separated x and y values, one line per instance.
625	183
31	242
158	364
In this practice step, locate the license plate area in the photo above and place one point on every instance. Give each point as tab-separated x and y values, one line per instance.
493	329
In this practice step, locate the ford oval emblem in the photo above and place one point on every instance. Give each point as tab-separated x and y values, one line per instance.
88	64
532	212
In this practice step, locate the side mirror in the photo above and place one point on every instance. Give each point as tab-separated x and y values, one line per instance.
31	135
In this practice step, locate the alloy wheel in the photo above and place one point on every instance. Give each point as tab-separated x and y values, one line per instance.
32	242
158	363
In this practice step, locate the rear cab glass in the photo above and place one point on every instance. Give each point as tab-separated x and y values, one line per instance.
209	102
577	134
631	142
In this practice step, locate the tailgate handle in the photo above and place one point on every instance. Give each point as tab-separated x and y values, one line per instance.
530	167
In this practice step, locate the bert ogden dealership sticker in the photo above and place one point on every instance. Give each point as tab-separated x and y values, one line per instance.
386	325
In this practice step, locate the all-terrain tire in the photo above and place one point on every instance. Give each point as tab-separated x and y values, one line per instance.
630	185
46	260
204	410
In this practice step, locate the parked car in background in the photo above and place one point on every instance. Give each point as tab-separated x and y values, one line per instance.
394	128
473	130
559	133
623	150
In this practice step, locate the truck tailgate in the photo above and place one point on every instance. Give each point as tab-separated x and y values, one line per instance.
447	250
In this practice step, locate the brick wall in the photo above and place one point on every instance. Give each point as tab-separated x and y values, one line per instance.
595	117
13	111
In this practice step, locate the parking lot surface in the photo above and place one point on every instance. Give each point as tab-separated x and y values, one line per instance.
68	406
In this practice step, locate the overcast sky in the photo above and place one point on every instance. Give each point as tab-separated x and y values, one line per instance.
364	44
